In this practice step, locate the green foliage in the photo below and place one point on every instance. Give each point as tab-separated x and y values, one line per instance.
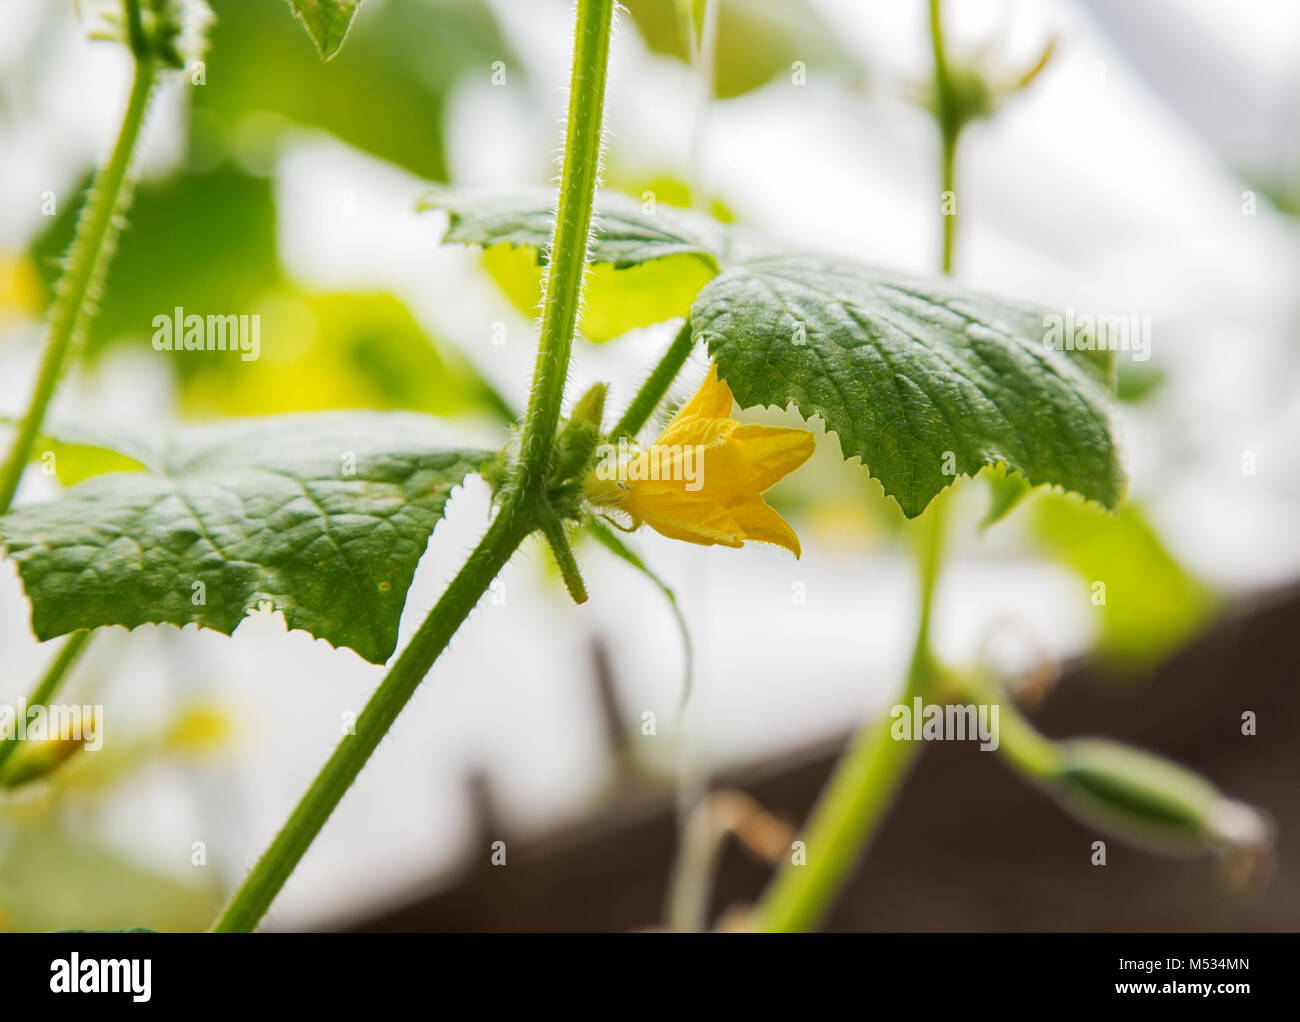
1153	604
81	450
203	241
757	41
627	234
1139	381
646	266
327	22
614	301
923	381
338	351
323	516
57	877
329	350
385	91
170	32
1006	491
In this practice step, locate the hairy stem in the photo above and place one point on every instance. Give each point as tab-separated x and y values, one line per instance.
264	881
523	509
553	529
656	385
88	261
76	295
567	256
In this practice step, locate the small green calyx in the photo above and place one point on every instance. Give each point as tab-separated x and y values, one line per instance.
977	86
972	95
170	32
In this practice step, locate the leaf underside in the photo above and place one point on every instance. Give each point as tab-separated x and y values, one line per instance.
921	380
323	516
624	234
327	22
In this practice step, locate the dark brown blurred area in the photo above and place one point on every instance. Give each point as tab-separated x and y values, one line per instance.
968	846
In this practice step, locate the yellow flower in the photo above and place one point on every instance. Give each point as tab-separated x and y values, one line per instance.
702	480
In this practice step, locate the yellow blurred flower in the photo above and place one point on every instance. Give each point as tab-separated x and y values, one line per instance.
701	481
21	294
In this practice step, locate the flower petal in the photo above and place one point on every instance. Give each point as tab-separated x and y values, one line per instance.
759	522
712	401
691	432
774	451
691	521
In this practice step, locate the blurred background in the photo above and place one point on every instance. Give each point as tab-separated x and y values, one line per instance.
1152	168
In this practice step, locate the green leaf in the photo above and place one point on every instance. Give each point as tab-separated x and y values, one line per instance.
920	380
626	233
614	301
648	260
324	516
83	449
1006	491
757	40
160	264
327	22
1138	382
418	49
322	350
337	351
923	381
1153	604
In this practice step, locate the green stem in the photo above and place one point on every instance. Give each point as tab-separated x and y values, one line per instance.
566	266
62	663
1019	742
553	529
264	881
656	385
523	508
88	261
949	130
863	785
949	159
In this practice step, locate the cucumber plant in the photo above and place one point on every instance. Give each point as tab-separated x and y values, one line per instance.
326	516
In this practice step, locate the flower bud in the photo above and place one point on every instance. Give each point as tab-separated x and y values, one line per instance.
577	440
36	759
